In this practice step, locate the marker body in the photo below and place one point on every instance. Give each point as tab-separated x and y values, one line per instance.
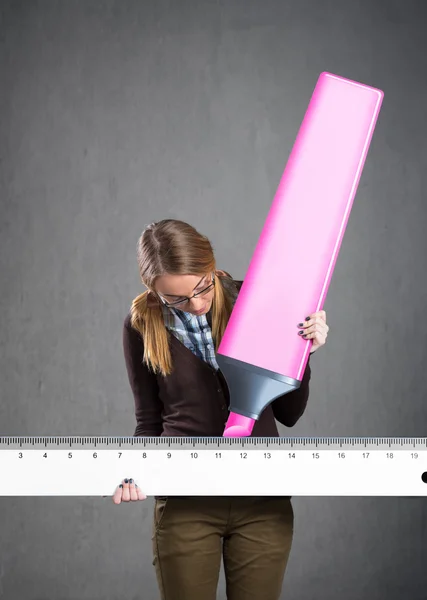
291	269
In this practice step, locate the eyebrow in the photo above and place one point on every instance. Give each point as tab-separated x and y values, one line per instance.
195	288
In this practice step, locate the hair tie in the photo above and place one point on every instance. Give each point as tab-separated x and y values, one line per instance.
152	300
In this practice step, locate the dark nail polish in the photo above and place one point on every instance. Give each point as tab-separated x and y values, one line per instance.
307	318
130	480
300	324
126	480
121	485
304	336
136	485
300	332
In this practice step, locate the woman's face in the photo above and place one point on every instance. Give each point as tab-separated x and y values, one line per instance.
175	289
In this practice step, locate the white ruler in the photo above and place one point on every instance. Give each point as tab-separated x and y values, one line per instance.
94	466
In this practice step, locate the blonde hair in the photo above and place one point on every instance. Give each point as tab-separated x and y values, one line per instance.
176	248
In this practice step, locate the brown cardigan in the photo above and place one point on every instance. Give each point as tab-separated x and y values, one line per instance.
194	399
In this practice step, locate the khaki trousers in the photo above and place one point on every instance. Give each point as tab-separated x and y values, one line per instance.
253	535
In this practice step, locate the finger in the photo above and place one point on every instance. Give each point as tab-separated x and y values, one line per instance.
132	491
309	336
307	329
312	331
317	316
126	492
317	327
317	337
318	321
310	320
141	495
117	497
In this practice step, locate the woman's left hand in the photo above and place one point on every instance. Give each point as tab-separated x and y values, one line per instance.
315	328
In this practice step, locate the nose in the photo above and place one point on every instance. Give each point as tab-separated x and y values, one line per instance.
197	303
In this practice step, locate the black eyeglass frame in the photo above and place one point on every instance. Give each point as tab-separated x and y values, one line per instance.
187	299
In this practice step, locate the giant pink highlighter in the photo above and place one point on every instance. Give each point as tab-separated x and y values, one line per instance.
261	355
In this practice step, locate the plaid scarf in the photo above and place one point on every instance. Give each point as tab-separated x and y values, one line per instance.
193	331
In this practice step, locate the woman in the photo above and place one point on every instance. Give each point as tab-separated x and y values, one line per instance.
169	338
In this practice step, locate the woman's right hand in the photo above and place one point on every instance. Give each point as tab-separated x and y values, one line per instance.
128	491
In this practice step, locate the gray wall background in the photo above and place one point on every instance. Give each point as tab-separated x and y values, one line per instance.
114	114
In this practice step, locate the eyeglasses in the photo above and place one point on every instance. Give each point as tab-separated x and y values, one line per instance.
186	299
